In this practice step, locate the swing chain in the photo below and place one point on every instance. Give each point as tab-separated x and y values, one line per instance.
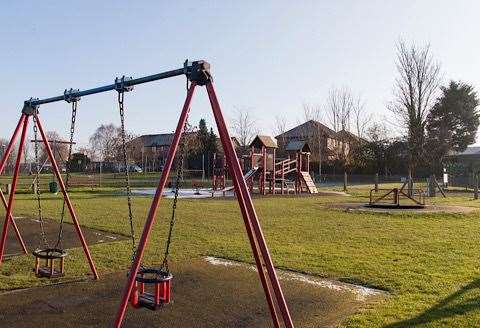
37	183
74	102
178	180
121	93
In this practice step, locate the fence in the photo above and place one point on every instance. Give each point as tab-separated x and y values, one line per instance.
104	180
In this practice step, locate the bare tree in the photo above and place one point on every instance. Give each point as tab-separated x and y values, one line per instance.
26	155
340	104
244	127
279	129
377	131
415	88
280	126
105	142
11	160
361	119
315	134
59	149
87	151
312	112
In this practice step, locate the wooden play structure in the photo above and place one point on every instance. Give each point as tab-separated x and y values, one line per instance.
271	175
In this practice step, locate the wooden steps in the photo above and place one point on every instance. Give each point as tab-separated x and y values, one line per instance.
307	179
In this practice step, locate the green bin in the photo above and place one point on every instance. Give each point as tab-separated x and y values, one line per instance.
53	187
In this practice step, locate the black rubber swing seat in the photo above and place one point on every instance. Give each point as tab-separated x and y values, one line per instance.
160	280
153	276
50	255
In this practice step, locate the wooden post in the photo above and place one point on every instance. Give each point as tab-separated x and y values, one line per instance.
475	190
274	175
431	186
214	159
300	166
376	182
297	175
264	174
410	184
308	162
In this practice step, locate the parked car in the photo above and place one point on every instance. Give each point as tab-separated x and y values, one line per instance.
135	168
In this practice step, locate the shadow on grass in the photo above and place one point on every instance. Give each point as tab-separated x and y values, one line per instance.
458	303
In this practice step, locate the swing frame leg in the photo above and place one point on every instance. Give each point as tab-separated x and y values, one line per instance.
3	163
22	125
241	189
259	248
14	226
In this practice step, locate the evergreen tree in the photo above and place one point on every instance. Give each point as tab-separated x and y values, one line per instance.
203	135
212	142
452	123
207	146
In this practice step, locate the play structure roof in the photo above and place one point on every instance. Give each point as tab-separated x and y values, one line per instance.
266	141
298	145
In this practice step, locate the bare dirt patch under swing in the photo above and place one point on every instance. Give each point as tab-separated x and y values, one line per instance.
205	294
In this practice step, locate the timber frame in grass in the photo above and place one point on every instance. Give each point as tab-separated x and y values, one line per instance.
198	73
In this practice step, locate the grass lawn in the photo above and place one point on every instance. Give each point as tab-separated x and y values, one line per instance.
428	262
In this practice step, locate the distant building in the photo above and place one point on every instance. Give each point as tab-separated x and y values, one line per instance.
150	150
235	142
471	153
469	159
326	144
462	166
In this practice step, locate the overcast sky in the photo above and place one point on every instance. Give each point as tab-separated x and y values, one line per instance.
268	57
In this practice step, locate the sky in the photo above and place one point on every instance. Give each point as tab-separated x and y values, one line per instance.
267	57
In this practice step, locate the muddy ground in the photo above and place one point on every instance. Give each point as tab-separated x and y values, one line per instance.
204	295
30	230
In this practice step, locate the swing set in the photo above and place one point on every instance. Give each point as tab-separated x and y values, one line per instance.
139	276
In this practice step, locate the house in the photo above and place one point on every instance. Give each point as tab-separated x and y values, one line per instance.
326	144
150	150
235	142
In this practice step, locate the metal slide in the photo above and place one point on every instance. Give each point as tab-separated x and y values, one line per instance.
247	177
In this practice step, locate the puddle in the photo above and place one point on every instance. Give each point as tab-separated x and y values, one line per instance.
361	293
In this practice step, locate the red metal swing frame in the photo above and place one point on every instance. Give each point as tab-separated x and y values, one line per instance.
268	277
199	75
22	126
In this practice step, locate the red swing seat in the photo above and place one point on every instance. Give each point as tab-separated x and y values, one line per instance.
160	280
